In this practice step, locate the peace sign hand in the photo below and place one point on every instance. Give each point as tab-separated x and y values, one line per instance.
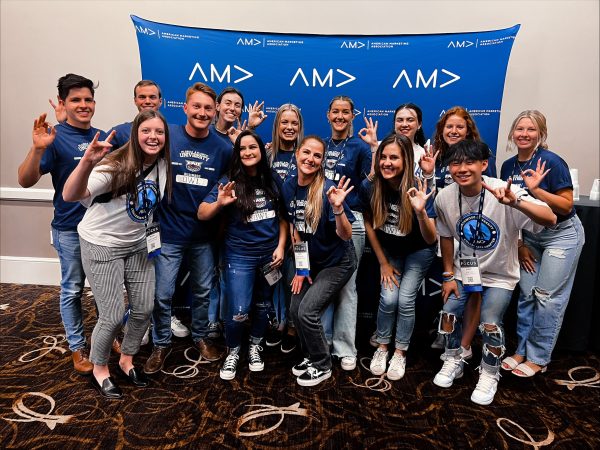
256	115
337	195
369	133
226	195
96	150
427	161
60	111
533	178
418	198
505	195
40	135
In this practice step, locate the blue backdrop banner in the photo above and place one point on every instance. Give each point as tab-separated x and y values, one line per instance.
435	71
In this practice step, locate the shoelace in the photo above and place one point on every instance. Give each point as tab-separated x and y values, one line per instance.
449	366
380	358
313	371
231	362
396	362
175	321
486	380
253	353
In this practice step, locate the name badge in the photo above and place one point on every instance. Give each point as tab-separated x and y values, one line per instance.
301	258
271	274
471	277
153	240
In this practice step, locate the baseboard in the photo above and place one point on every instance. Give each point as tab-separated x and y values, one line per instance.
27	270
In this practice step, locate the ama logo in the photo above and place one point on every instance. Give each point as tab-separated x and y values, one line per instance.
486	239
460	44
145	30
251	42
352	44
146	199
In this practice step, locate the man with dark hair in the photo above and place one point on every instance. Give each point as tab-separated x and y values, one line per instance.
57	150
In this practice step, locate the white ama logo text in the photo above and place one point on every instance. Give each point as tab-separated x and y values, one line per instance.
224	75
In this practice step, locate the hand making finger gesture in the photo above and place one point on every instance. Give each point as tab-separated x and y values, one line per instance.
533	178
256	115
418	197
60	112
505	195
43	133
96	150
226	194
427	161
337	195
369	133
234	132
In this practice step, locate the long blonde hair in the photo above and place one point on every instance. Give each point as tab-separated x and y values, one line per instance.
276	140
538	119
314	199
381	187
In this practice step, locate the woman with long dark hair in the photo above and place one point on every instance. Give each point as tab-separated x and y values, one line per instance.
254	246
118	238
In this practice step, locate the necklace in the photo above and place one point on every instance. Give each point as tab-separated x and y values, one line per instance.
473	201
526	164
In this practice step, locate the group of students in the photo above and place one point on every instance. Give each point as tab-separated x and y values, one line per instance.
288	221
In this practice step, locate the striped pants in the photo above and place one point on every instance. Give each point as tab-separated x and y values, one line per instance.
107	269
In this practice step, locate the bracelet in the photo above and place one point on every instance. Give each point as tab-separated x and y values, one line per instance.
338	213
447	279
447	274
429	177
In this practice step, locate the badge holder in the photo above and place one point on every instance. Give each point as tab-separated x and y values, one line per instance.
301	259
471	277
271	274
153	240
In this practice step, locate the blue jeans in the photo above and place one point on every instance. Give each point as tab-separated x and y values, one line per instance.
339	319
217	293
283	293
67	246
248	295
545	293
308	305
494	302
201	261
397	305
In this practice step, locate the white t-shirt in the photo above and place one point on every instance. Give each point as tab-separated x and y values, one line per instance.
497	243
120	222
418	152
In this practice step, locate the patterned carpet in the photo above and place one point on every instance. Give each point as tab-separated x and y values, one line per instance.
44	404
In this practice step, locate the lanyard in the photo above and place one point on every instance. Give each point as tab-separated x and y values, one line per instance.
330	144
289	166
143	177
307	235
477	227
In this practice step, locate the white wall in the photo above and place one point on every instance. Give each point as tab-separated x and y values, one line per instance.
553	66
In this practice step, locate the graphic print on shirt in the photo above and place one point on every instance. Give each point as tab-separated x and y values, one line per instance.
489	232
332	161
391	222
298	207
285	165
194	162
140	208
262	212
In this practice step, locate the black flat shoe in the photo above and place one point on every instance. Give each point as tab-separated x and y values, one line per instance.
136	377
108	389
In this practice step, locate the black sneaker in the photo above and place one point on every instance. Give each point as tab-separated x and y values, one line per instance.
214	330
301	367
273	337
313	376
288	343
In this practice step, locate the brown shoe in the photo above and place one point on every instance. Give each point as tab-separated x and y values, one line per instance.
81	363
208	350
156	360
116	346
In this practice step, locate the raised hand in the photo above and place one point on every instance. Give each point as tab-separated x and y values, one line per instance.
226	194
96	150
427	161
256	115
337	195
418	198
59	110
369	133
533	178
388	276
234	132
42	137
505	195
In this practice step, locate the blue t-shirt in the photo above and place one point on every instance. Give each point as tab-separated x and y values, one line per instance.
392	241
123	134
60	159
350	157
443	177
196	165
558	178
224	137
325	247
259	235
284	166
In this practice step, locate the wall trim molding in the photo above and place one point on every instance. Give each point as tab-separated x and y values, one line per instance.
26	194
28	270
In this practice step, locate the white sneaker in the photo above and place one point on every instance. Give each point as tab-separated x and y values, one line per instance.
179	329
229	368
146	337
451	370
255	362
348	362
378	362
486	388
464	353
397	367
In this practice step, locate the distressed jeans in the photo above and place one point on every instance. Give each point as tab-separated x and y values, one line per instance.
545	293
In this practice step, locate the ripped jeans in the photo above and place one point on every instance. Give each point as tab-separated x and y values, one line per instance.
248	295
545	293
493	306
